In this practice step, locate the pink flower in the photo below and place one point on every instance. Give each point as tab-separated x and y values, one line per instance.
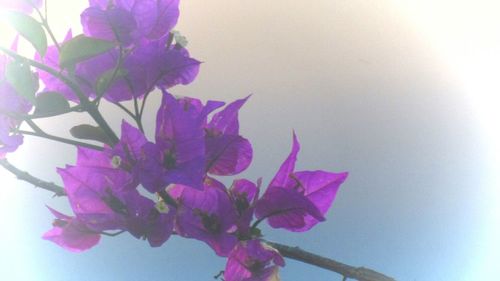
298	200
253	261
71	234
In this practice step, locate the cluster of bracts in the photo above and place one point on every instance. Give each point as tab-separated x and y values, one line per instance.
157	188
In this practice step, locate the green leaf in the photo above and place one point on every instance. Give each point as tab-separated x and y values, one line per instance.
50	103
30	29
89	132
82	48
107	79
20	77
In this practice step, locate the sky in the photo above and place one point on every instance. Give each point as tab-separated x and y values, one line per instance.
401	94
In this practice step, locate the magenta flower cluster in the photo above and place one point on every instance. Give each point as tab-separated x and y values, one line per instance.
170	185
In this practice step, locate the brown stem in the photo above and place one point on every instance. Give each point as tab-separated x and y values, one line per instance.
46	25
138	117
125	109
24	176
61	140
357	273
99	119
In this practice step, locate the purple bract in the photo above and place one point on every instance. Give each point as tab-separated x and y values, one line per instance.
298	200
130	19
228	153
207	215
71	234
253	260
154	189
178	154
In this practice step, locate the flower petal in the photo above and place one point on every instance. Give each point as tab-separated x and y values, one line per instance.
320	188
227	154
154	18
113	24
226	121
286	208
282	177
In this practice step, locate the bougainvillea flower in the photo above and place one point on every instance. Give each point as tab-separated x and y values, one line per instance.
124	155
153	18
174	66
244	194
129	148
71	234
178	155
127	155
89	72
148	65
207	215
253	261
286	208
159	63
154	64
112	24
25	6
228	153
298	200
94	195
106	199
145	221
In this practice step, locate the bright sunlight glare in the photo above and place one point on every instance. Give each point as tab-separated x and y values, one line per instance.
466	35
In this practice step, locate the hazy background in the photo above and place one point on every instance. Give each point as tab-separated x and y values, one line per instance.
401	94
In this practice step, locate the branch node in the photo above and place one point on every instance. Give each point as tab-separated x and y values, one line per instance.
25	176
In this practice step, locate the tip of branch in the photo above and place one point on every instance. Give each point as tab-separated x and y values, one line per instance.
366	274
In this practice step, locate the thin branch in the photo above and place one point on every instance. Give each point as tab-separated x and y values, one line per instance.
34	127
219	275
112	234
76	108
45	24
138	118
60	139
96	115
357	273
38	132
125	109
24	176
143	105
